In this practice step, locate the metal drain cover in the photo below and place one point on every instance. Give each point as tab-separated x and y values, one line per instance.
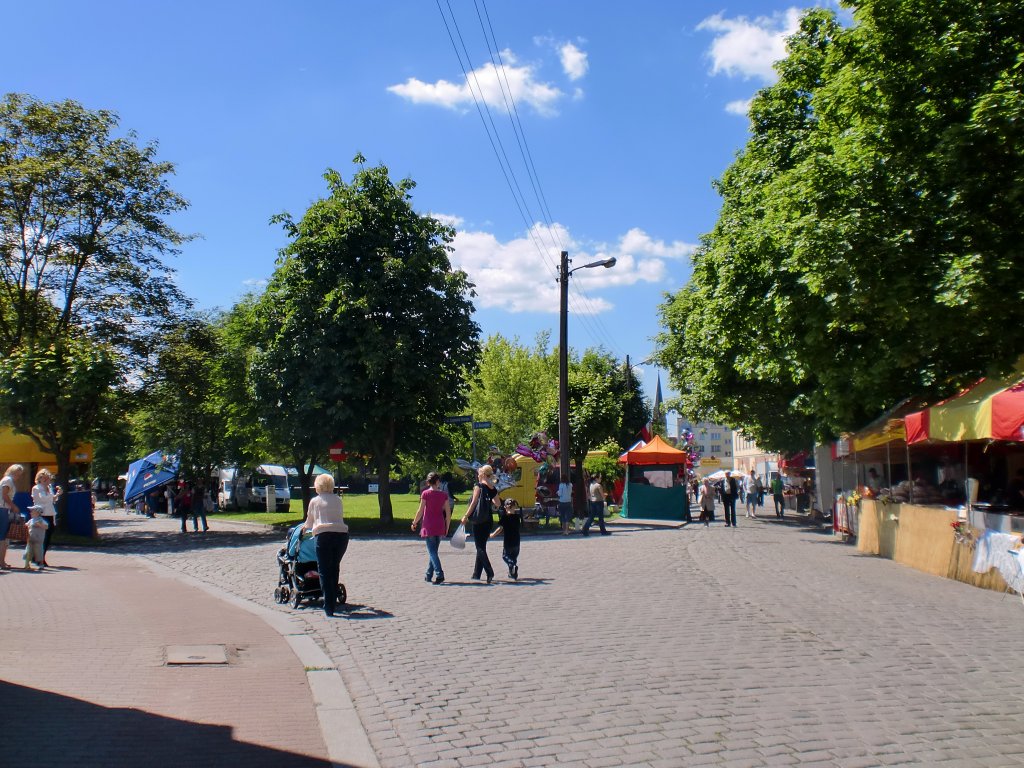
196	654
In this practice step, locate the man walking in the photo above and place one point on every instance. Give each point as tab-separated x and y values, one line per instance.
777	497
750	488
730	490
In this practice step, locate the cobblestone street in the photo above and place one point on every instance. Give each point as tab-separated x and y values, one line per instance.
768	644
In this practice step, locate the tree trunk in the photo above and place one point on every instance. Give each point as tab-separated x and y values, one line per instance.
387	516
581	504
63	476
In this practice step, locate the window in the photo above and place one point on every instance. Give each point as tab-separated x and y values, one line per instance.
714	435
716	449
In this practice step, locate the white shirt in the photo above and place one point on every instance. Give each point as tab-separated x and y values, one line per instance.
564	493
42	496
7	482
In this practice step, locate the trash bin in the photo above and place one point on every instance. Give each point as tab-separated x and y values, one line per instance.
79	512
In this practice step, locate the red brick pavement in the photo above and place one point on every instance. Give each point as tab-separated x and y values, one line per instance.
82	662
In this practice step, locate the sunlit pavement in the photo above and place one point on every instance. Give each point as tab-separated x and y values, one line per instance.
768	644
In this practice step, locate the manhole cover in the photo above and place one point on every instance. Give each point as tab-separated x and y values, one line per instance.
196	654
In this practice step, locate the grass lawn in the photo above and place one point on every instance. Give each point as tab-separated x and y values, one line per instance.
362	514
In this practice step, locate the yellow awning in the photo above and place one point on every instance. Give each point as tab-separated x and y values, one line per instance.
890	432
20	449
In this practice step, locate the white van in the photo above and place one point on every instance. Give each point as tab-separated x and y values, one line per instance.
247	489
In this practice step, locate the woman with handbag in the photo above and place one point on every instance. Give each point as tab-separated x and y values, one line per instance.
480	513
8	509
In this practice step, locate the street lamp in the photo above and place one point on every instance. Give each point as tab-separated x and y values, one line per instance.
563	356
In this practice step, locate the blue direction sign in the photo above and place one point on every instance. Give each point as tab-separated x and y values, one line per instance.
481	425
458	419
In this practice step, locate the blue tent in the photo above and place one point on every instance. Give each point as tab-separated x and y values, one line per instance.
146	474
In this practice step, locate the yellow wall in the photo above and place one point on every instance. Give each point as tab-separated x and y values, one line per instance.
922	538
20	449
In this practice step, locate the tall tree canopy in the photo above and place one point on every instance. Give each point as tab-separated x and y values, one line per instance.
83	237
83	230
869	242
364	322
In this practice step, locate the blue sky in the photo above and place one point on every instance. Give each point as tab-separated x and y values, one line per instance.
629	112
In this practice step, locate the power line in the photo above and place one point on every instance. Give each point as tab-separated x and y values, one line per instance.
588	314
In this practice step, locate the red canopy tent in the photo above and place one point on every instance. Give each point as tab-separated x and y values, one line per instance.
655	452
643	500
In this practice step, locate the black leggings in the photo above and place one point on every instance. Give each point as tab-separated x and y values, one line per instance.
481	533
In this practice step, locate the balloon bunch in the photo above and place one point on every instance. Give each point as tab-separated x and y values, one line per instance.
540	448
688	444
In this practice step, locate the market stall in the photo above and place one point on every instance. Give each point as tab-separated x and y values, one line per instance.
961	477
653	490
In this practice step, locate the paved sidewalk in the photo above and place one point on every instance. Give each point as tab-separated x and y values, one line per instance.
83	659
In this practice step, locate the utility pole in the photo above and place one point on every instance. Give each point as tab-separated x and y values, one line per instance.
563	367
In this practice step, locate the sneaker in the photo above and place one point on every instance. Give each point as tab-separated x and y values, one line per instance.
428	577
515	573
439	579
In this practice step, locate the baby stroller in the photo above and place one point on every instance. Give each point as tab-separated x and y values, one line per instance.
298	579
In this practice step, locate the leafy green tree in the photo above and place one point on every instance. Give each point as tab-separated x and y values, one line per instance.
512	384
83	229
181	408
607	467
364	324
862	253
83	235
247	442
56	394
635	411
596	395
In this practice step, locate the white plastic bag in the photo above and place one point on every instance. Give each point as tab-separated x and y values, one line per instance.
458	539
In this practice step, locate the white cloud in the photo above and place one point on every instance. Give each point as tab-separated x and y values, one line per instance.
638	241
739	107
521	82
748	47
448	220
574	61
519	275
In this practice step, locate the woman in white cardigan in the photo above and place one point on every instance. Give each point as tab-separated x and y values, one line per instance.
325	518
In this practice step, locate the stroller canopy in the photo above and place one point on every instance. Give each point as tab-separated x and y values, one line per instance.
301	548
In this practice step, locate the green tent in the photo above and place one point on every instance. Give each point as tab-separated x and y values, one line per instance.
652	489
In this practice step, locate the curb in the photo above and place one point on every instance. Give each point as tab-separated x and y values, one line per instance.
348	745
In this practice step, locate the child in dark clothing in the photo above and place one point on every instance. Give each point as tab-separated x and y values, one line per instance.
509	521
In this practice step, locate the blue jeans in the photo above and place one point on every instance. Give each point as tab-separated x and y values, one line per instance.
434	565
596	510
330	548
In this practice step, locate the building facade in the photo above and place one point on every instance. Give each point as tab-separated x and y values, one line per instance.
747	456
714	441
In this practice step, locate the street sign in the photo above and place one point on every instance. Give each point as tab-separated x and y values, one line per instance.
337	451
458	419
481	425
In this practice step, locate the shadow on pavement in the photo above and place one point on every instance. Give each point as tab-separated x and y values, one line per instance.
357	611
93	735
134	536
